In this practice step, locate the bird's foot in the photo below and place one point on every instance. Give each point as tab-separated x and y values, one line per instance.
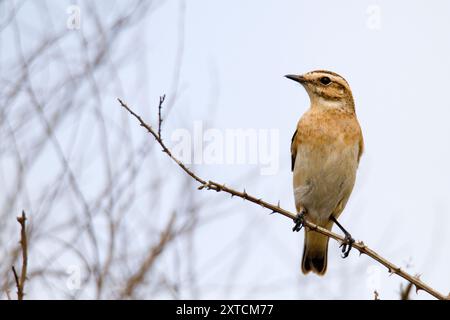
299	221
347	245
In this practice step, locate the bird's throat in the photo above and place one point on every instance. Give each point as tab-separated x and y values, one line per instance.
331	104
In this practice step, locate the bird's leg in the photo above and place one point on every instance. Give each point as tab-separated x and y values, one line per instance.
348	242
299	220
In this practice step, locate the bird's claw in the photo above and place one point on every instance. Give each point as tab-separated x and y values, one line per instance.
299	221
347	245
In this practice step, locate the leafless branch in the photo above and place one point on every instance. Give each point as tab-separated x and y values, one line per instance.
78	94
160	120
20	281
376	295
405	291
137	278
218	187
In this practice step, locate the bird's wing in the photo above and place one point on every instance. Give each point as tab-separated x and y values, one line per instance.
293	150
361	147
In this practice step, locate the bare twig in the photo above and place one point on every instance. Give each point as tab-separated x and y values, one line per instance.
136	279
17	282
20	281
360	246
160	120
376	295
405	291
49	104
165	149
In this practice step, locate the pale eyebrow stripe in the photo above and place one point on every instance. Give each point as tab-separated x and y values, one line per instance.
330	73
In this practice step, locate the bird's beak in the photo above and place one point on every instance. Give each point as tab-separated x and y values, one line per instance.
296	78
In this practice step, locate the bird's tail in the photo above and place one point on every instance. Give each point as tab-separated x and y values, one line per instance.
315	253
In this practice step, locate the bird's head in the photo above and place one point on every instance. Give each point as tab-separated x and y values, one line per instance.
325	89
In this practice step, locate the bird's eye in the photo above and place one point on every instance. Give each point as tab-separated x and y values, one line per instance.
325	80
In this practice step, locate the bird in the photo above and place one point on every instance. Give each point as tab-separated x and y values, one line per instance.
325	152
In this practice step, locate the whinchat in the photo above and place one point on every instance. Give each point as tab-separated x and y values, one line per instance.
325	150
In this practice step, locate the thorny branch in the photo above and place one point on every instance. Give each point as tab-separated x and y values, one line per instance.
215	186
20	281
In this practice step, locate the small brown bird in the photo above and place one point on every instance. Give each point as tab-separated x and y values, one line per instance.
325	149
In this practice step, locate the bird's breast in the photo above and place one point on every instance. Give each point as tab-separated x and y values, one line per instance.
324	173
